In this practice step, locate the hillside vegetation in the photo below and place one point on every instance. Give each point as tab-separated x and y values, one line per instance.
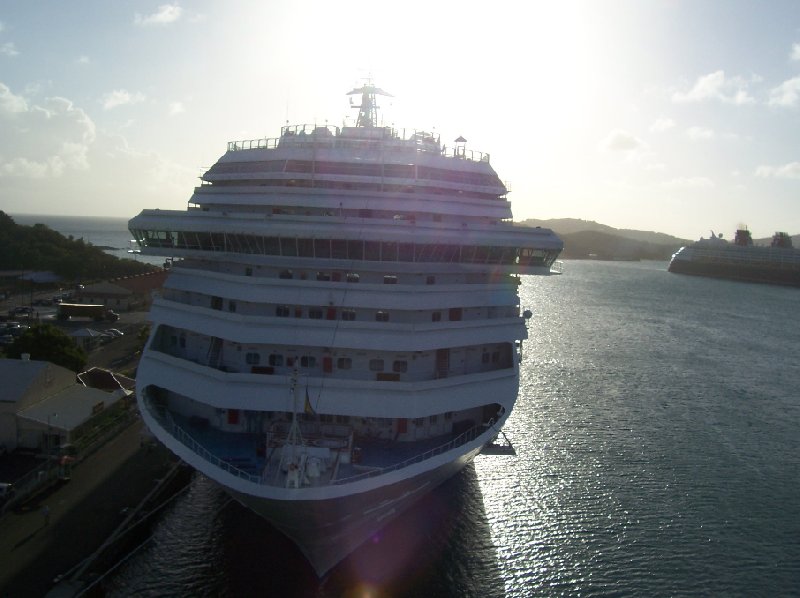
40	248
585	239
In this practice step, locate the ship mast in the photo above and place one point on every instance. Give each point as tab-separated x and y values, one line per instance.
368	109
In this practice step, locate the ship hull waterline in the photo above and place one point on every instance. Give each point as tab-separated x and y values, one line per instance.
739	272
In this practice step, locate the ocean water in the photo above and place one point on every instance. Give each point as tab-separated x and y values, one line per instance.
658	454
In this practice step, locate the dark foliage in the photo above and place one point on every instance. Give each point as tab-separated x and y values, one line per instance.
45	342
38	247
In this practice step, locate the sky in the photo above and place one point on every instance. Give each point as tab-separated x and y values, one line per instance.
666	115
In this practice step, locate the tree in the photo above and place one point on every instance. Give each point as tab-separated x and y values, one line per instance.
45	342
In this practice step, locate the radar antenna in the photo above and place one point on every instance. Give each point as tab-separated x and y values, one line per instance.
368	109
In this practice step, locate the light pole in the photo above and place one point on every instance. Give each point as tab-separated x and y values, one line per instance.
50	432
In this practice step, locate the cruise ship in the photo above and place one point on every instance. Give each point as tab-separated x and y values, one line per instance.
778	263
341	329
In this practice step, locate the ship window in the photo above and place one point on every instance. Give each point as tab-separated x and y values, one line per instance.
342	419
231	305
339	249
376	365
448	415
348	314
288	247
248	271
344	363
418	421
433	419
352	277
315	313
173	340
390	279
372	250
430	280
308	361
305	247
400	366
485	357
406	253
324	276
382	316
182	341
355	250
283	311
336	276
455	314
436	316
252	358
216	303
276	360
388	251
272	246
322	247
286	274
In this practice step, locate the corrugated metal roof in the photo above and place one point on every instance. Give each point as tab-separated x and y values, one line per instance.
17	375
69	408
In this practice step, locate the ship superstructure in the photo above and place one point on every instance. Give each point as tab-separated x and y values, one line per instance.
341	328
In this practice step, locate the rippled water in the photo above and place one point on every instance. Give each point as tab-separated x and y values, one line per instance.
658	441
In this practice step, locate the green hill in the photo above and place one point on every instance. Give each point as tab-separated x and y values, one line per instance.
39	248
586	239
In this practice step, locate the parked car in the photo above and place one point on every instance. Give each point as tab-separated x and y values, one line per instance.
6	492
115	332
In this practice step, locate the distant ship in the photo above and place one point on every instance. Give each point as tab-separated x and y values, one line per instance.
342	329
778	263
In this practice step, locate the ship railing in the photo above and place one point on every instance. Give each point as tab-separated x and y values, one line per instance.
327	135
165	417
459	440
249	144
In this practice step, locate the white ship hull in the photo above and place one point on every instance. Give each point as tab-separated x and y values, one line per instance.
327	531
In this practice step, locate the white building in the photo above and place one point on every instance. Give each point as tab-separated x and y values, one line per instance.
43	406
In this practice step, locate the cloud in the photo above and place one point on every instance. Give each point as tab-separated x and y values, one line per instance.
121	97
715	86
787	94
662	124
695	182
699	133
795	55
8	49
622	141
176	108
53	159
44	140
166	14
82	60
2	27
10	103
786	171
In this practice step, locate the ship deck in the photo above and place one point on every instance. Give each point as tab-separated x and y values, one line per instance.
261	458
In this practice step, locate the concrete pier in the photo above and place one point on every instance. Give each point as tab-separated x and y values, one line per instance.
54	531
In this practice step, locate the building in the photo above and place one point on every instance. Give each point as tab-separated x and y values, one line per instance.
42	406
123	294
